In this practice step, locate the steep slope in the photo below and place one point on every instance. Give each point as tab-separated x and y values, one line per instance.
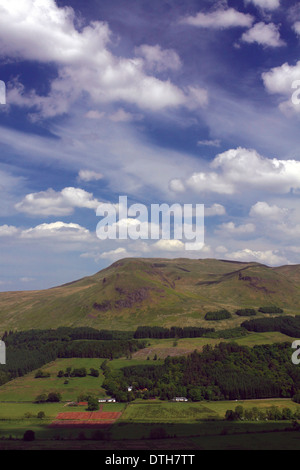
165	292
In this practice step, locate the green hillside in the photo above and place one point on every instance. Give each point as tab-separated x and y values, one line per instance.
164	292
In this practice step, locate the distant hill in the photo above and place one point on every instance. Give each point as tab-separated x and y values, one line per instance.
166	292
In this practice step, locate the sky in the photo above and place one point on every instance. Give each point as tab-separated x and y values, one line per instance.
164	102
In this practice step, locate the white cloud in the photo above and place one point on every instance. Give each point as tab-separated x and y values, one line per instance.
296	27
177	185
230	229
220	19
215	209
284	80
157	58
237	170
210	182
50	202
116	254
265	4
280	79
8	230
264	34
58	231
89	175
288	230
85	63
269	257
169	245
266	211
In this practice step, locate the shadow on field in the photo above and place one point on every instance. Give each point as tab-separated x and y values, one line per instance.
145	436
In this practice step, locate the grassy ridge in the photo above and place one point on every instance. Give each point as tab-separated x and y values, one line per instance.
164	292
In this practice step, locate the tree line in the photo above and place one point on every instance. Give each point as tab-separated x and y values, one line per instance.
273	413
287	325
226	372
24	356
173	332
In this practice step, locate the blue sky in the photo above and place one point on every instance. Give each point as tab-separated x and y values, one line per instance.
186	102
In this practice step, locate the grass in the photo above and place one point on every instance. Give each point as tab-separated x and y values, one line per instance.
168	412
27	388
197	425
179	292
165	347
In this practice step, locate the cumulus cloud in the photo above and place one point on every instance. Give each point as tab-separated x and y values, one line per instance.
264	34
284	81
61	203
169	245
57	231
116	254
220	19
85	63
230	229
265	4
266	211
8	230
239	169
269	257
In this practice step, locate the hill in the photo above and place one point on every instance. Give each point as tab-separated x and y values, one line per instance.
151	291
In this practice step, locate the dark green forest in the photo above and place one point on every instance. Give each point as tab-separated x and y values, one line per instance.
30	350
226	372
287	325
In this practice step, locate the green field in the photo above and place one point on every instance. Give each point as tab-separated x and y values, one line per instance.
139	419
169	412
18	412
196	425
165	347
28	387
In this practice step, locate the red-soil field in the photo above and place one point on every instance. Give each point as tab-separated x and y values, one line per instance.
86	418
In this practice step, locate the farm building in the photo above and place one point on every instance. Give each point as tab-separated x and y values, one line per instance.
106	400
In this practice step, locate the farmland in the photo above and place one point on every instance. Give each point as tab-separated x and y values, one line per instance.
128	425
132	423
197	425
